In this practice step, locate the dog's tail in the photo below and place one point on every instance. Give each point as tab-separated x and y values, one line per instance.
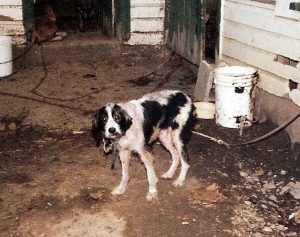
186	132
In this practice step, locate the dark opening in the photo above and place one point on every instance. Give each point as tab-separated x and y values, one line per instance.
68	16
293	85
212	28
77	15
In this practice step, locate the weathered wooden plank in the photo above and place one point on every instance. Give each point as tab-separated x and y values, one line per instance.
153	38
260	59
18	39
148	4
11	28
255	3
147	1
147	22
11	13
282	9
12	23
261	18
147	25
271	83
11	3
271	42
138	12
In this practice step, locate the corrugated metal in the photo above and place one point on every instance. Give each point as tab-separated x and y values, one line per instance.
147	22
184	28
11	20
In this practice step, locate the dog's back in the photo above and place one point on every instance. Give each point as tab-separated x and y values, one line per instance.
167	109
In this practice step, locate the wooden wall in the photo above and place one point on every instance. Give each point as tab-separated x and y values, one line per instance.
254	35
147	22
11	20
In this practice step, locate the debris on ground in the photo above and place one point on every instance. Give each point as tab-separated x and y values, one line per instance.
52	181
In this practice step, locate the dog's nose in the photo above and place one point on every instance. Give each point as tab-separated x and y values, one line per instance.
112	130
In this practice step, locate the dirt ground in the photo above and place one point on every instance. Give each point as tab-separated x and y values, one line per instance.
55	182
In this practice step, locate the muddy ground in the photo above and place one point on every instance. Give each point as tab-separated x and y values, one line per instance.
55	182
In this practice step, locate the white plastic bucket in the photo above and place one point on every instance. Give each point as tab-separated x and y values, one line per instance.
6	69
234	90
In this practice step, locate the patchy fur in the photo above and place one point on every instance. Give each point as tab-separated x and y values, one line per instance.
167	116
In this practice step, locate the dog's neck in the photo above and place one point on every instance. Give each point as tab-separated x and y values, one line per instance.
110	145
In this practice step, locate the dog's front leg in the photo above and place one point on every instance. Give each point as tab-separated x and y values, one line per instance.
125	158
147	159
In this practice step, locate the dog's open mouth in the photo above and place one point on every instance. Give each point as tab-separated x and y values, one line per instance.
107	146
109	142
115	136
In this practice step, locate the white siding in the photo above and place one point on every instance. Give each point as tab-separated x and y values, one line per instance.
253	35
11	20
147	22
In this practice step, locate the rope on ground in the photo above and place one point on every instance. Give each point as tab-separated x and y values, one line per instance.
16	58
263	137
42	101
43	79
20	55
147	74
154	70
165	79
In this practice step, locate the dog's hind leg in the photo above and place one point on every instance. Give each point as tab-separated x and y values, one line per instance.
147	158
165	137
181	137
125	158
180	147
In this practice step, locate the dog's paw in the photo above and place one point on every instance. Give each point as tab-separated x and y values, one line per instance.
167	175
178	183
152	196
118	191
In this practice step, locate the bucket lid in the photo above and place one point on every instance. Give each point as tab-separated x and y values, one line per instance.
235	71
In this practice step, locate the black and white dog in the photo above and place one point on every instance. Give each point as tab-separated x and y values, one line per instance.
167	116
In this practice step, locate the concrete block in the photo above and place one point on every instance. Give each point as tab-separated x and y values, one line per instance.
204	81
278	110
295	96
273	84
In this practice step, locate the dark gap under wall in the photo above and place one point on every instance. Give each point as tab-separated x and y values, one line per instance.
293	85
286	61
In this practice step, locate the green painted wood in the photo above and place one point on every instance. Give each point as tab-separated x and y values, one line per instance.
117	24
122	21
185	28
106	17
28	18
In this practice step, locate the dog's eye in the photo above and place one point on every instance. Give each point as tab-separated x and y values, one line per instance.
104	119
117	117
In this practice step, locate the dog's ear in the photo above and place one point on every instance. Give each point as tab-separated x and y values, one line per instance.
96	129
127	121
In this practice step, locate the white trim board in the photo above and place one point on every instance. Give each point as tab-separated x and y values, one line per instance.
282	9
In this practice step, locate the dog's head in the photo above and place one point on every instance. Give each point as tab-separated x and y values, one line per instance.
110	122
